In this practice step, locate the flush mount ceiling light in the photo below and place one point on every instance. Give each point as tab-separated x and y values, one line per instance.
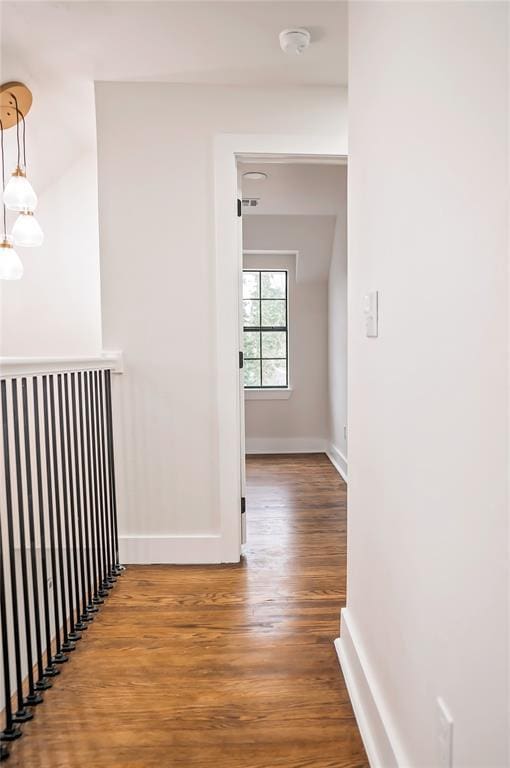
18	195
294	40
255	175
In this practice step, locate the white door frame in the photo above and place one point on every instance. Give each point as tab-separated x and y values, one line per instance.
228	148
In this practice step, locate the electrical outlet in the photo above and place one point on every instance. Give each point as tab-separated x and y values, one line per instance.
444	735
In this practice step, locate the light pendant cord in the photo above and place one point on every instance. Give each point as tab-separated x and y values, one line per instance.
17	127
24	143
24	140
3	174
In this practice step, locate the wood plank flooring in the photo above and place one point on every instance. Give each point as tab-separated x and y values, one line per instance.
227	666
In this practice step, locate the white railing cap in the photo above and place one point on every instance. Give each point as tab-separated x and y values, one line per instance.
22	366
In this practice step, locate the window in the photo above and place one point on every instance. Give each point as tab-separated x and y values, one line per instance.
265	328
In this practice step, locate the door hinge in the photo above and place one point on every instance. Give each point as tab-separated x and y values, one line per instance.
243	505
239	207
241	359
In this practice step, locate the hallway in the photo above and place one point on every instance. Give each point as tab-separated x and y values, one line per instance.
218	665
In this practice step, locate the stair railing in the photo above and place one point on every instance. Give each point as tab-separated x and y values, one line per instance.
59	546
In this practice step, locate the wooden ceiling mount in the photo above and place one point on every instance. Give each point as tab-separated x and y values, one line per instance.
9	94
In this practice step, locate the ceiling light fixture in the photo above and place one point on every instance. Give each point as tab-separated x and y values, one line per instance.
255	175
294	40
18	195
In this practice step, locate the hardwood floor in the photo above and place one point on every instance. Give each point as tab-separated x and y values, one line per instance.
227	666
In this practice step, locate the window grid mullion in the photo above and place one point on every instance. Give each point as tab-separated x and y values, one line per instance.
260	329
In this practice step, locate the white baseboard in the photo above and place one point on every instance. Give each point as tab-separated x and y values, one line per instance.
175	550
286	445
338	460
372	715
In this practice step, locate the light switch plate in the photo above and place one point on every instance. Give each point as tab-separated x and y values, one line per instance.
371	306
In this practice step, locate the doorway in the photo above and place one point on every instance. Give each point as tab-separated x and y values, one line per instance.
293	238
229	150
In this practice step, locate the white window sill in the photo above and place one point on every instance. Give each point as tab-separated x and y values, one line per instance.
267	394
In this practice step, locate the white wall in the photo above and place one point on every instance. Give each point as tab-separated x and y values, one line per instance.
337	331
427	567
158	278
300	422
54	310
311	236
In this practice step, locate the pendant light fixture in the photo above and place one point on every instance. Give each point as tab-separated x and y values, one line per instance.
11	267
18	195
27	231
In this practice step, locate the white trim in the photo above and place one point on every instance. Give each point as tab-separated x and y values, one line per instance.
286	445
382	743
273	252
266	252
21	366
338	460
228	264
295	159
268	394
177	550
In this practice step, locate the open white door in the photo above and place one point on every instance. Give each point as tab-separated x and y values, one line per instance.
242	435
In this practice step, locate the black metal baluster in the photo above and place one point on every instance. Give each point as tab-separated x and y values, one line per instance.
59	657
118	568
88	608
110	579
95	460
72	523
4	752
21	715
67	645
111	528
50	670
68	502
81	623
42	683
11	731
32	697
111	532
96	600
105	585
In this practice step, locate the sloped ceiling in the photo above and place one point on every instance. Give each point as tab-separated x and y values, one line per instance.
297	210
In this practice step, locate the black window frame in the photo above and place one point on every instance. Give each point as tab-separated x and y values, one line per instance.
261	328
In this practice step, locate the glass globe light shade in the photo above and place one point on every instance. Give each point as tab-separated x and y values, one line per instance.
11	267
27	231
19	194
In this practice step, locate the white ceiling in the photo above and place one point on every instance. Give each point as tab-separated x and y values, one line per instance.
296	189
60	48
192	42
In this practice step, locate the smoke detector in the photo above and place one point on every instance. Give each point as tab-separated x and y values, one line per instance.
294	40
